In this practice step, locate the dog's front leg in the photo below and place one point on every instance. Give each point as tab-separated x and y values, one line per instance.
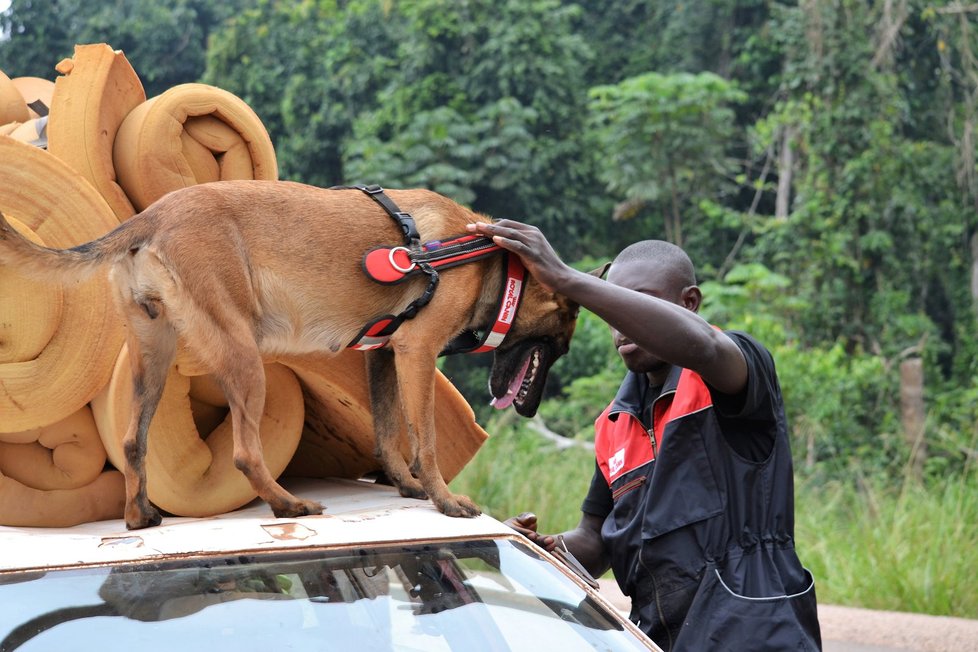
385	407
416	384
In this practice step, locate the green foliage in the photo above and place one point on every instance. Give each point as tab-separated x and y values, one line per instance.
306	68
841	405
669	35
754	299
584	381
871	233
480	100
573	413
446	151
831	434
664	139
517	471
905	548
165	41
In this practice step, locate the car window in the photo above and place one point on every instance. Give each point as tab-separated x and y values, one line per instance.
471	595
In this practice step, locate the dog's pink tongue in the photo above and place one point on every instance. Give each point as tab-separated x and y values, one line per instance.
514	387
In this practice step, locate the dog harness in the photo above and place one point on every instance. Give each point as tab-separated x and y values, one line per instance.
391	265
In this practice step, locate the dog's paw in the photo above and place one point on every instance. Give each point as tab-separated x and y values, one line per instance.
412	490
298	508
138	519
458	506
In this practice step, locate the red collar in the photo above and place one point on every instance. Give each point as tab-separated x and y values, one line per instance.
509	303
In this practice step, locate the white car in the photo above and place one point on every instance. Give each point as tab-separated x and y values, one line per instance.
375	572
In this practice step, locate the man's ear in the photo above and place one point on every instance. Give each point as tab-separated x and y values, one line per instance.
601	271
692	297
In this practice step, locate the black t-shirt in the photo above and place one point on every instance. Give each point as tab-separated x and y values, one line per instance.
598	499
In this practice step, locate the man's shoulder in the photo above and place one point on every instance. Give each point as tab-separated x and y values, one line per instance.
751	347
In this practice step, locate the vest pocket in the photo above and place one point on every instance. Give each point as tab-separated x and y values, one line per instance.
721	619
810	588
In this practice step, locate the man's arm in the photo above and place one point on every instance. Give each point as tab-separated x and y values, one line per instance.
671	332
584	541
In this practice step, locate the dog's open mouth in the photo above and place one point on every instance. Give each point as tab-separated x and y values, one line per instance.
521	383
519	375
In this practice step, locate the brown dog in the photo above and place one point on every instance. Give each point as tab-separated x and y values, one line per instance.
239	270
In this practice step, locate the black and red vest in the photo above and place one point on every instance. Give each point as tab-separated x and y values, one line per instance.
701	537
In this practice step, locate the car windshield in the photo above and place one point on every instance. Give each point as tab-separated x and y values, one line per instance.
463	595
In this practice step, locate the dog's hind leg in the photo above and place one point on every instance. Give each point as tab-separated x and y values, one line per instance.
152	346
240	373
416	385
388	422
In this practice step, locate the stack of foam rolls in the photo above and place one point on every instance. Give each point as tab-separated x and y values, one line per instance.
79	154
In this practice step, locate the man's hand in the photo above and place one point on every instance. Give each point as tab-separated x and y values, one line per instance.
529	243
526	524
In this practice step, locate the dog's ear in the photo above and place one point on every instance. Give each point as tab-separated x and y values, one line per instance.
601	271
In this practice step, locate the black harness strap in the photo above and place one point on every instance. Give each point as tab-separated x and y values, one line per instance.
388	265
375	334
403	219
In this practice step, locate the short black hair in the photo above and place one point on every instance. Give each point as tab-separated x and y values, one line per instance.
662	253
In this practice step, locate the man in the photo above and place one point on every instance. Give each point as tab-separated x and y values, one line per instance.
692	501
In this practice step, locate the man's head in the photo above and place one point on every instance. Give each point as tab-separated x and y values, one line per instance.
658	269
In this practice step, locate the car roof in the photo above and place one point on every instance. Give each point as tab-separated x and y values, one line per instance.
357	513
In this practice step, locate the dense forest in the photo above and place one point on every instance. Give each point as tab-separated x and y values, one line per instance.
816	158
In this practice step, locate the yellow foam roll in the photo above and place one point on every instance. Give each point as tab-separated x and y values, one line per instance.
64	455
96	90
13	108
25	506
34	310
59	344
338	440
190	134
34	89
189	472
53	476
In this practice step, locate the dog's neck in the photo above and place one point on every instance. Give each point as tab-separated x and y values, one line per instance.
487	305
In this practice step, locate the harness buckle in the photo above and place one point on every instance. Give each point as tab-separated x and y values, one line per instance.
395	265
408	227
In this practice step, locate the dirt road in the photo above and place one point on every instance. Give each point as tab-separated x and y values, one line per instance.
846	629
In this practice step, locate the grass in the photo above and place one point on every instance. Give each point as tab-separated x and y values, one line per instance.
518	471
906	548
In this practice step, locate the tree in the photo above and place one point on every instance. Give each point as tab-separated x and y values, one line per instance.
489	105
664	138
308	70
165	41
871	206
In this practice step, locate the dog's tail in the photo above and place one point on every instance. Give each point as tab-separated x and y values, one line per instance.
43	263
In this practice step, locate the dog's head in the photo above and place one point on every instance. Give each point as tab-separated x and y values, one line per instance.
541	333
